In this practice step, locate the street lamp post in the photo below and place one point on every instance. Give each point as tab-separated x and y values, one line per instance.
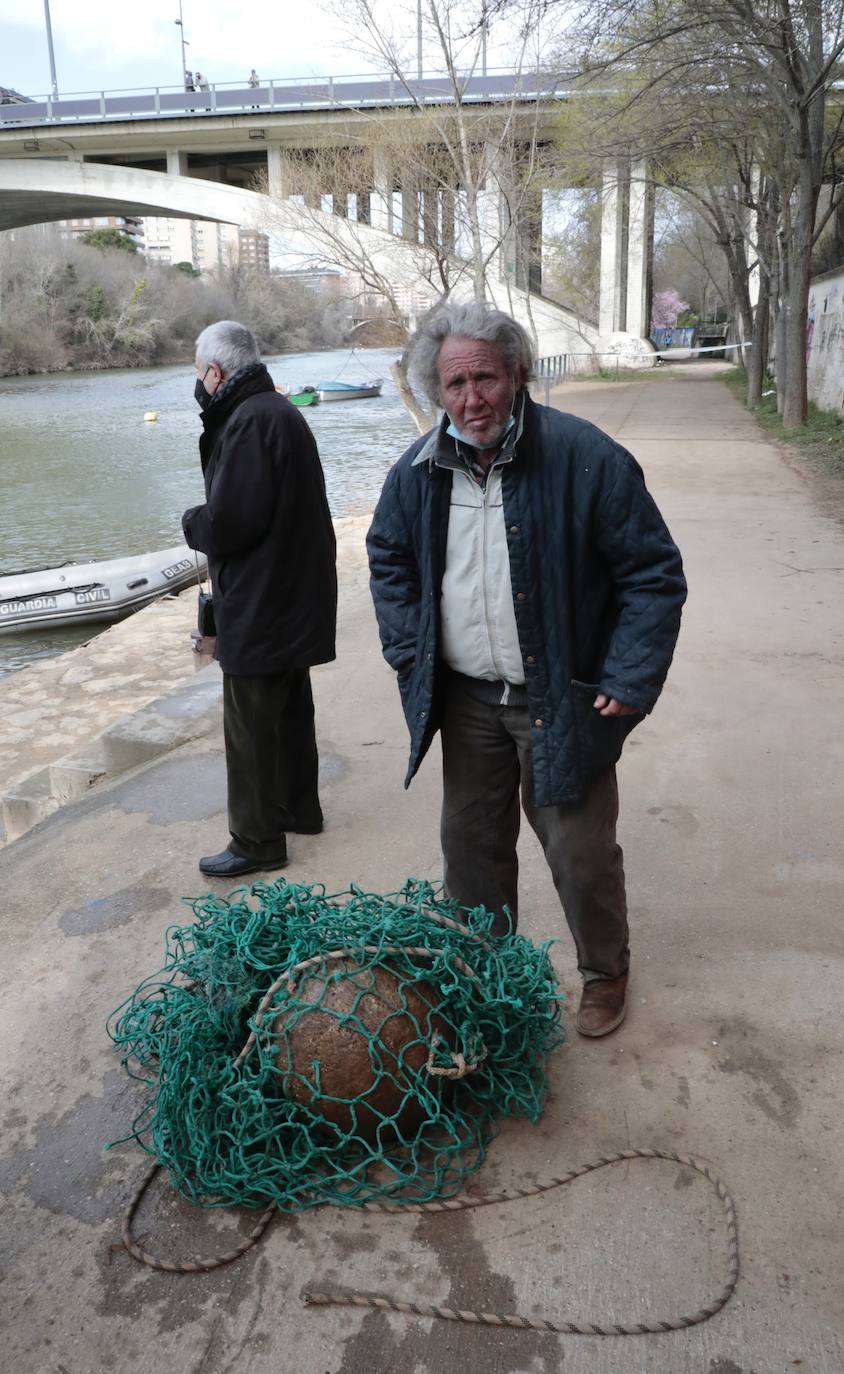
181	26
50	49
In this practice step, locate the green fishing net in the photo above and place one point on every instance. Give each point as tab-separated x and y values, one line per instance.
376	1072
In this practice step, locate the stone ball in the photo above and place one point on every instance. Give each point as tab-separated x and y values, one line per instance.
360	1081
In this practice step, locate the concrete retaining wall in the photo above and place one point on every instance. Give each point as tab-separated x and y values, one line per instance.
825	341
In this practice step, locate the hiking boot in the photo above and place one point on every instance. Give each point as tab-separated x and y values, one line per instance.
603	1005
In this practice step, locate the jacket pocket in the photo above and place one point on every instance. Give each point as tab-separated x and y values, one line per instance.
600	739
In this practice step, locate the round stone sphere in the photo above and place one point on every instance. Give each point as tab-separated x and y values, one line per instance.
353	1054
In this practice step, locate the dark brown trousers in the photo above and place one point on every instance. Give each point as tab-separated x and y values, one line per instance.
487	762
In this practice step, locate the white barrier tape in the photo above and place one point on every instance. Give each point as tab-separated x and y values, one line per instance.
692	348
561	376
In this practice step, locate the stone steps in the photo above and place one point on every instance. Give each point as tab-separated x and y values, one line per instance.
190	712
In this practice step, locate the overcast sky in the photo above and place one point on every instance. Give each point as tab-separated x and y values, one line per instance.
109	44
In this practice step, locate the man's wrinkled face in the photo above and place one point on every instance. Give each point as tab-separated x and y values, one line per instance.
476	388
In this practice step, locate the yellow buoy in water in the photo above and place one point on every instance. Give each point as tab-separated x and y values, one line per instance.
150	414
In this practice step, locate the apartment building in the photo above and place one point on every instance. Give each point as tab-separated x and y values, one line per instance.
204	244
131	225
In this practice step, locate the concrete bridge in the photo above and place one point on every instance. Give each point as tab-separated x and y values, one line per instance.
197	155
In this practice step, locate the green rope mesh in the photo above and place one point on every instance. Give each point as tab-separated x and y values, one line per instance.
374	1074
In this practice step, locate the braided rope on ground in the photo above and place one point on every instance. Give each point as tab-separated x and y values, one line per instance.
514	1320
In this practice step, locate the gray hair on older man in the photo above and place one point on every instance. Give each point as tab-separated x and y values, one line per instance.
228	344
470	320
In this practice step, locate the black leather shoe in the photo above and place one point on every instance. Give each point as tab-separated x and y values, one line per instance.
229	865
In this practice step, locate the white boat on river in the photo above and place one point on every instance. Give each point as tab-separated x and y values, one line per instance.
106	590
349	391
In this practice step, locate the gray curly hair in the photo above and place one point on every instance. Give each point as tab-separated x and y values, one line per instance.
471	320
228	344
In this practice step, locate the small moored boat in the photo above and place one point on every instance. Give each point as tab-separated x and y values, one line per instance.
100	591
305	396
349	391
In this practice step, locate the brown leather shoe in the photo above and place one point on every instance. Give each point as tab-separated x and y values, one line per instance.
603	1006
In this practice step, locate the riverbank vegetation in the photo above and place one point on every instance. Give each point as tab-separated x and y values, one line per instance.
66	304
820	439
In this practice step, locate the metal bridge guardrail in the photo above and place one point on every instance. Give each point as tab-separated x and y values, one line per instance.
277	96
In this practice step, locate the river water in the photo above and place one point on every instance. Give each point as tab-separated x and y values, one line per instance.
84	476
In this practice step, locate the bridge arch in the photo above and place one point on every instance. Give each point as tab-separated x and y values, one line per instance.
38	190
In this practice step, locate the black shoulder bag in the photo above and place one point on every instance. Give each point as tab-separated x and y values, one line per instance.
205	607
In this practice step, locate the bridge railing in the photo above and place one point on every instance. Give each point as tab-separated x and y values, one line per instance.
556	368
287	93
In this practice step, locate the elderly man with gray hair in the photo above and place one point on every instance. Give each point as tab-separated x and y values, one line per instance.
528	595
266	529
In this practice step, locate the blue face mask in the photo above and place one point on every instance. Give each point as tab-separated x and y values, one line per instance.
455	434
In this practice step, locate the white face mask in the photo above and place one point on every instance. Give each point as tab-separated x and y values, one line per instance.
455	434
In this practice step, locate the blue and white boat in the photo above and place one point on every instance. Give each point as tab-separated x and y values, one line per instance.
349	391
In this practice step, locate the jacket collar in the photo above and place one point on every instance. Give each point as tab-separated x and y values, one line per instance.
249	381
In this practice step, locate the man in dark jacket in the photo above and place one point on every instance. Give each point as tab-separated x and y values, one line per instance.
528	595
266	529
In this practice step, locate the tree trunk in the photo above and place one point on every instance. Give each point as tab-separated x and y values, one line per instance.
423	419
795	397
759	348
795	305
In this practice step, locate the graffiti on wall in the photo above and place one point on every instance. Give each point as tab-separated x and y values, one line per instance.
825	342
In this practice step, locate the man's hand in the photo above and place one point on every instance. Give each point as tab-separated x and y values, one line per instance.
608	706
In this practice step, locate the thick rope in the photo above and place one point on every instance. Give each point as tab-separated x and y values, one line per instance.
459	1067
512	1320
198	1266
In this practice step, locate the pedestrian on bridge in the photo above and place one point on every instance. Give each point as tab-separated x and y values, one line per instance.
528	595
266	529
202	85
189	85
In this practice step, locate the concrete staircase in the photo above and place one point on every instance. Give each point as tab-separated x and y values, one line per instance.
188	713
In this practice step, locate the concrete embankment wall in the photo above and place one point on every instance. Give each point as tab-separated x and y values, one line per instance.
131	693
825	341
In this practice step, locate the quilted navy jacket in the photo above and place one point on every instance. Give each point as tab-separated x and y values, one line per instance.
597	583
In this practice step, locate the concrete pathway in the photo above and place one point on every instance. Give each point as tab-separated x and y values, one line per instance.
732	798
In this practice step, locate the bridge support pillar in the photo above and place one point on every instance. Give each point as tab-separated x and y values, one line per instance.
177	163
381	196
528	233
513	220
410	202
278	173
626	249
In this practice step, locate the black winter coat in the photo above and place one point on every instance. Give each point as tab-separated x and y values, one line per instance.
266	529
597	586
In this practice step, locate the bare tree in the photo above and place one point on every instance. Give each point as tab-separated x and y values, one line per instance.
750	79
465	175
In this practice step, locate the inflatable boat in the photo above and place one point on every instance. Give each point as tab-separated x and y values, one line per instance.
74	593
